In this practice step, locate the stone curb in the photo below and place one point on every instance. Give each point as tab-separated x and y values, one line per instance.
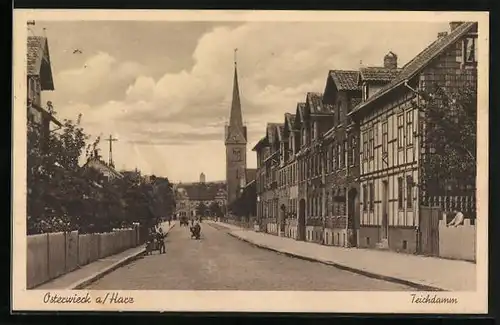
415	285
81	284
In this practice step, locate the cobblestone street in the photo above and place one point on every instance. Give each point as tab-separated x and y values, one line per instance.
221	262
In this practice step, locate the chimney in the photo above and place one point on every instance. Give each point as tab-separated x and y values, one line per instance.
390	60
442	34
202	178
455	24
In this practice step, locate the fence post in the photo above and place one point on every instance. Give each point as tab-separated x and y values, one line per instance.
48	255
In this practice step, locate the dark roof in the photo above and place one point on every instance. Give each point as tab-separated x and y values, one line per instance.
279	130
421	61
315	102
380	74
202	191
251	174
290	118
37	48
262	142
300	114
345	79
270	130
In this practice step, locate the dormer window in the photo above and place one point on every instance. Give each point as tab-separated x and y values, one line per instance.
365	91
470	50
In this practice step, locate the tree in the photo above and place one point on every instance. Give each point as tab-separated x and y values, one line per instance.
215	209
55	186
450	121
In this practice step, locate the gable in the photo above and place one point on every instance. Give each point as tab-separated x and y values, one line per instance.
38	61
419	62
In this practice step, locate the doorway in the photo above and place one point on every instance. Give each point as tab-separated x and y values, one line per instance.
353	215
385	204
301	224
282	218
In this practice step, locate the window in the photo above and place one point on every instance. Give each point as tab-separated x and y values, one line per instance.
400	193
409	128
384	137
365	91
353	149
350	154
365	146
409	187
340	156
372	195
401	135
470	50
345	154
339	111
371	145
365	198
328	166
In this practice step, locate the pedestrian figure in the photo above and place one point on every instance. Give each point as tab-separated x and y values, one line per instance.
161	241
458	219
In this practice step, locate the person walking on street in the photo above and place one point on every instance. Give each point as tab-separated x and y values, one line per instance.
161	241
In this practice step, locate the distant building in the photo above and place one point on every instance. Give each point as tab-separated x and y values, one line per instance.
189	196
103	168
202	178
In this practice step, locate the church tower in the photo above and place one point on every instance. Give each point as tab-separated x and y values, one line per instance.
236	145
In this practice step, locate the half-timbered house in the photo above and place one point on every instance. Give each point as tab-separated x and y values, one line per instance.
391	152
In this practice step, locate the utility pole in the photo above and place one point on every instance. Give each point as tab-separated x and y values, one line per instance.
111	140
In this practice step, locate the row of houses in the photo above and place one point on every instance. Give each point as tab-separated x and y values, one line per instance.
346	166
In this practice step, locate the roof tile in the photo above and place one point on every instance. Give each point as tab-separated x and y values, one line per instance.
421	61
345	79
379	73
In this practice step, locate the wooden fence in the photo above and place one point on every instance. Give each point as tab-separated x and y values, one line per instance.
54	254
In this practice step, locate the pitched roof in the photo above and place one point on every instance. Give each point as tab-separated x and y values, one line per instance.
420	61
345	79
37	48
315	102
289	122
202	191
378	74
290	118
262	142
279	131
270	130
300	114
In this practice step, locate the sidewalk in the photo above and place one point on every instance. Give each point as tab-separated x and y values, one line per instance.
425	273
82	277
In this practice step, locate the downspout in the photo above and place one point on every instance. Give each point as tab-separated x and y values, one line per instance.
418	232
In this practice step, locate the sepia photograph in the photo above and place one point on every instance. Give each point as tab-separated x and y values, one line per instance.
215	161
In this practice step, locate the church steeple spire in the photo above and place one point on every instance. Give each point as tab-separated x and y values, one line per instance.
236	120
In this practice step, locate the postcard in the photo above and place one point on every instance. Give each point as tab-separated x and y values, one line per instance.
250	161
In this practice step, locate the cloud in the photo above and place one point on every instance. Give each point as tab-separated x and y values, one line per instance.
100	78
278	63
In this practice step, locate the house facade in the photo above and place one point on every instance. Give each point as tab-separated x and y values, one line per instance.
391	128
39	78
340	167
314	120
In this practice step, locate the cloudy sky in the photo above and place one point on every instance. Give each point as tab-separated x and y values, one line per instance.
164	88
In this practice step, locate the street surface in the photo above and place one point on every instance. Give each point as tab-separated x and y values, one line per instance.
221	262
